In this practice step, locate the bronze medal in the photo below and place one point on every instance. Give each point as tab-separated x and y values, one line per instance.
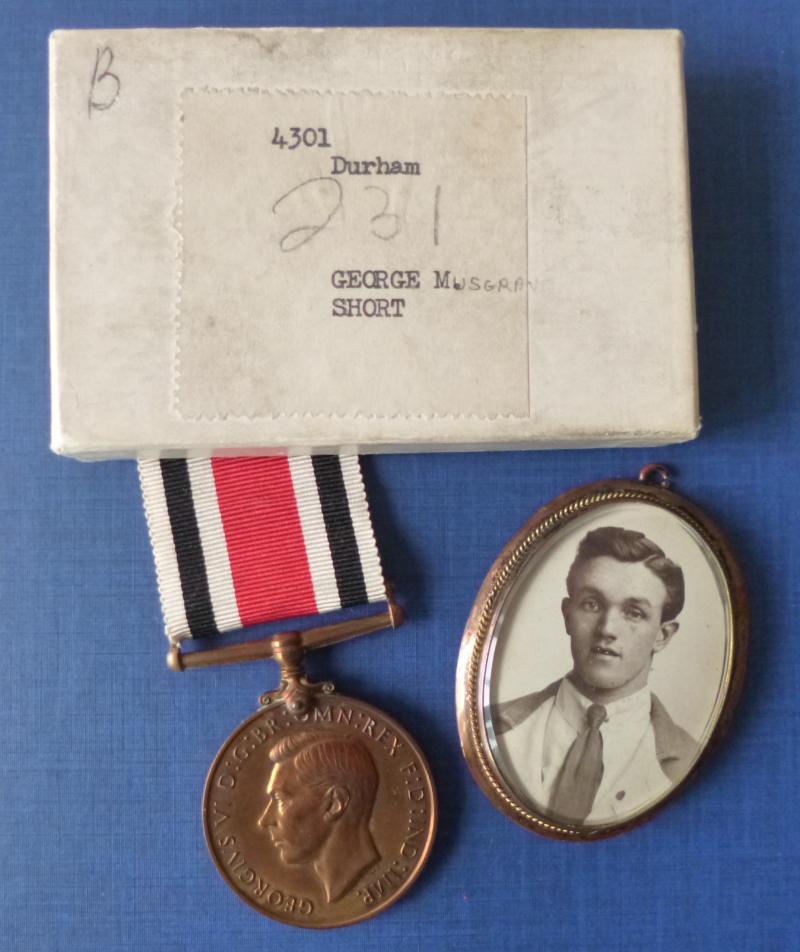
319	810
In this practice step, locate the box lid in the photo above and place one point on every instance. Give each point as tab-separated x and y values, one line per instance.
294	240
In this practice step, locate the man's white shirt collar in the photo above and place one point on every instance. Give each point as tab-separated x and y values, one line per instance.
623	714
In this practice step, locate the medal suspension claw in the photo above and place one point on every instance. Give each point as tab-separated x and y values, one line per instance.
295	690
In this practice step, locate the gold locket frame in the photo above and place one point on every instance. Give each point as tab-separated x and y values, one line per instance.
493	595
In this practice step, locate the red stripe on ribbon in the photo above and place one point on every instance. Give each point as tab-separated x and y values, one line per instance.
269	565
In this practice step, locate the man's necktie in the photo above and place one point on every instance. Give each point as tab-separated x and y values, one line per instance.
577	783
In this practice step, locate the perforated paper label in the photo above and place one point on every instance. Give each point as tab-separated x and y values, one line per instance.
351	253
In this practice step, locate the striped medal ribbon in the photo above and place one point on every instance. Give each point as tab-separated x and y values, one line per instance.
239	541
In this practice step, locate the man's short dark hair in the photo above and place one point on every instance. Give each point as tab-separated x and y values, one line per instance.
627	545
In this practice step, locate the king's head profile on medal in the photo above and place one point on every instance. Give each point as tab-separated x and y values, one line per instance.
598	741
320	797
319	810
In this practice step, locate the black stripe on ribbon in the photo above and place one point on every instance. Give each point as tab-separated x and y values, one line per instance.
339	527
188	548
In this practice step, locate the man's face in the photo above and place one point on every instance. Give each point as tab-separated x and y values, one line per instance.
295	816
613	619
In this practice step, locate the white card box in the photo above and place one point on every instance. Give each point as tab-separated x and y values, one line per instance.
372	240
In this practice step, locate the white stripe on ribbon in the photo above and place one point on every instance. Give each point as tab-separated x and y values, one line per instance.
318	550
161	541
362	525
214	545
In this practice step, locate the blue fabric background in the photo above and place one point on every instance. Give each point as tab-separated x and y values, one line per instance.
104	752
